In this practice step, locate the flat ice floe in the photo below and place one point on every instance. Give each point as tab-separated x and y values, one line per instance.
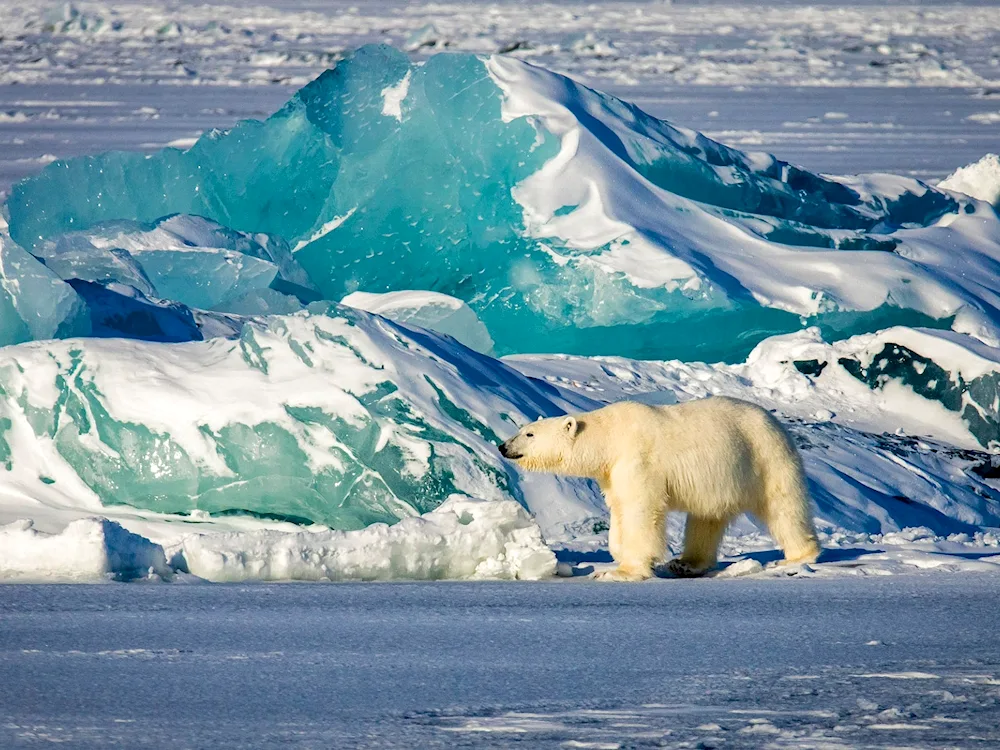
205	373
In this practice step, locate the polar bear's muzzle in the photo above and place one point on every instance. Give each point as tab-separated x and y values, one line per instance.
507	452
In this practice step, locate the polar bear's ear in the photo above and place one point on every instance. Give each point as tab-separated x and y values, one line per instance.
569	425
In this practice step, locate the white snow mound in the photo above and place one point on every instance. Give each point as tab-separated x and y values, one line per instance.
90	549
462	538
980	180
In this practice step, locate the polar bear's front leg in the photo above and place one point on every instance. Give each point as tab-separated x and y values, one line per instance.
614	530
637	536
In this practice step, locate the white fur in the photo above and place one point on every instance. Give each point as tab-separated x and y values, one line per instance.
712	459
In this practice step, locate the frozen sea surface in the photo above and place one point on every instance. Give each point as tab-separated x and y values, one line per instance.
907	661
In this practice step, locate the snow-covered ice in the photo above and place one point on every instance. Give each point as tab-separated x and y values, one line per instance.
459	539
90	549
980	180
432	310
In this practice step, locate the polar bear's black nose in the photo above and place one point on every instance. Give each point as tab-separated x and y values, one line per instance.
506	452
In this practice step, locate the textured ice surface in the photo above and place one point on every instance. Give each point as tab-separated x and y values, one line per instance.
568	220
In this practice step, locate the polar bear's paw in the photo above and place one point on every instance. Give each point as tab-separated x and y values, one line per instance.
623	574
681	568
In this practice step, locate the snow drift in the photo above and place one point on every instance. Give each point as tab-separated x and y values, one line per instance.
460	539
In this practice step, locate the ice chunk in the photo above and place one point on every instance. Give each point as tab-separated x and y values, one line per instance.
34	302
333	416
187	259
980	180
66	18
566	219
462	538
426	36
206	278
947	369
745	567
91	549
432	310
74	256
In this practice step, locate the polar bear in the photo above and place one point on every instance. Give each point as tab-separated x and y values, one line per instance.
713	459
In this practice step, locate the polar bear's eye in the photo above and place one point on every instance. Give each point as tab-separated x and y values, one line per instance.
529	434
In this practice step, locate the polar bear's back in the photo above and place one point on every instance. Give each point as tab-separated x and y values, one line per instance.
720	452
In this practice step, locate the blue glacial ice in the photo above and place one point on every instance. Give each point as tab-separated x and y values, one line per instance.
566	219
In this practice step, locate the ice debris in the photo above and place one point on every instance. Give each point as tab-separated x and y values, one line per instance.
462	538
90	549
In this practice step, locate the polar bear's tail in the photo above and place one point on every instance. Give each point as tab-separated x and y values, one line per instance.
786	508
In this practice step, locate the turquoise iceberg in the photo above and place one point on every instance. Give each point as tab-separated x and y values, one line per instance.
566	219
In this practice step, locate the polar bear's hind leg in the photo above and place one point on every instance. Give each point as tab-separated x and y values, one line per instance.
788	515
701	546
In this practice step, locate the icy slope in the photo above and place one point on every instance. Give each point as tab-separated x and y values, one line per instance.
568	220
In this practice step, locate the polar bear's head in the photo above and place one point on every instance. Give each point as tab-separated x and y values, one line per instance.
545	445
